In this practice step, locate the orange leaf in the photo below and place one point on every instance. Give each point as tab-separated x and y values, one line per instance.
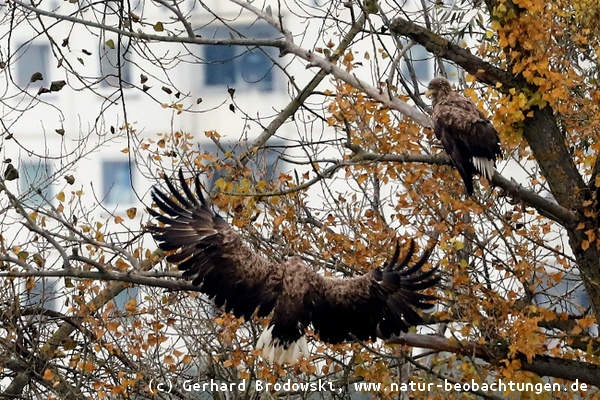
121	265
88	366
48	375
131	305
113	326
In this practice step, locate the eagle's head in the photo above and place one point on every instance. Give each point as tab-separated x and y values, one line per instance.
438	87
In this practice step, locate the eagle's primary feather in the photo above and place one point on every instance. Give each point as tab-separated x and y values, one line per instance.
467	135
205	247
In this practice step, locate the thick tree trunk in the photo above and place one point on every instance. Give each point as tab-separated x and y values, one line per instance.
568	188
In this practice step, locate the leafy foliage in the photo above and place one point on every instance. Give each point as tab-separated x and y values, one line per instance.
337	170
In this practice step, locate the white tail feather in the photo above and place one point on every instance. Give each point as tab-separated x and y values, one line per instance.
484	166
275	351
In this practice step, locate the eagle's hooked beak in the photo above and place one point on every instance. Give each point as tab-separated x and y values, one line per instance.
428	93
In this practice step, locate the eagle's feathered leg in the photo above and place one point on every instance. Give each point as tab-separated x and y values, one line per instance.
274	350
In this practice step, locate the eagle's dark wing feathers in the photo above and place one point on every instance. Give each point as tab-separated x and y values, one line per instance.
460	118
205	247
468	137
380	303
210	252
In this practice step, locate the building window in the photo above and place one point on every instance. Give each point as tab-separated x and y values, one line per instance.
31	59
266	165
115	69
117	183
566	296
220	65
241	67
450	71
124	297
35	180
43	294
419	62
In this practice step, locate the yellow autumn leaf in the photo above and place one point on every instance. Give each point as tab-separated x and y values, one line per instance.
23	255
261	185
131	212
458	245
131	306
586	322
61	196
39	260
169	360
121	265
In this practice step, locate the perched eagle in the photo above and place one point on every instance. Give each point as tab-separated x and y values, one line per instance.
467	135
381	303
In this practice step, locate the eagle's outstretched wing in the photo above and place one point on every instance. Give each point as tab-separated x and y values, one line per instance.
467	135
211	253
381	302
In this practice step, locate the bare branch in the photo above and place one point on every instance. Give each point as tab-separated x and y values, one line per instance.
542	365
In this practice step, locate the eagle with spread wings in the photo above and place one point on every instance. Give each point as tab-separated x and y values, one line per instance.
467	135
380	303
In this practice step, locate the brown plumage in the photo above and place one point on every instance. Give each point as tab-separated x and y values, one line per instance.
467	135
205	247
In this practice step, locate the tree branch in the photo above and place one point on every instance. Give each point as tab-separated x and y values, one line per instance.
237	41
298	101
541	365
548	208
285	45
48	349
484	71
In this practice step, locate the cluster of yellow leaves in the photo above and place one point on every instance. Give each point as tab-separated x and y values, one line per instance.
553	45
529	40
526	337
366	123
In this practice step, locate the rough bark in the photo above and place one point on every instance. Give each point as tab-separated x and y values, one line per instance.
484	71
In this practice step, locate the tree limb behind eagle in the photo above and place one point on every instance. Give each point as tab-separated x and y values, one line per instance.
467	135
205	247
